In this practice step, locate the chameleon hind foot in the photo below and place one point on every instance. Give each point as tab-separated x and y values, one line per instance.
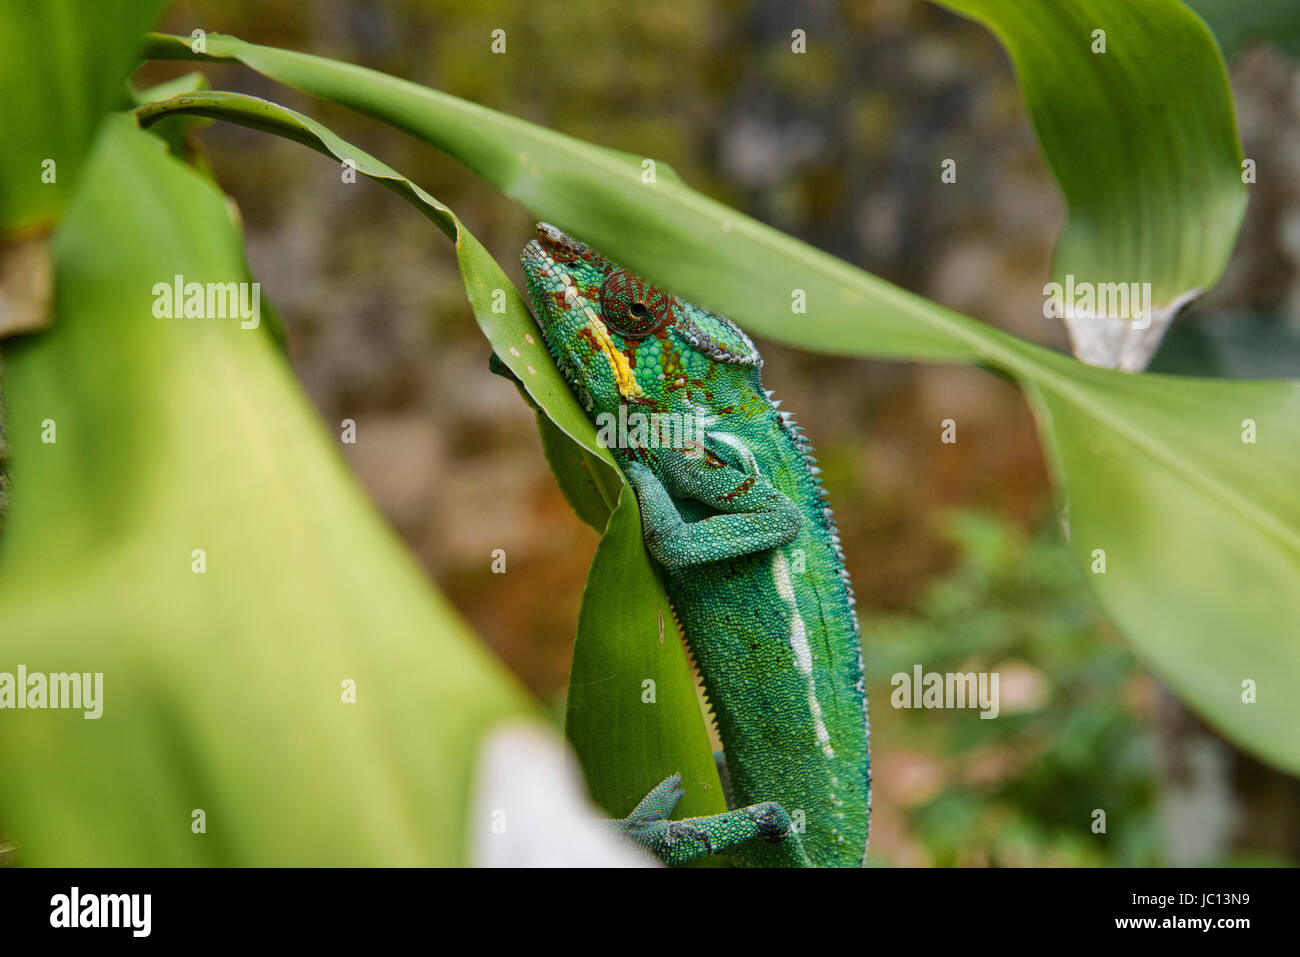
677	842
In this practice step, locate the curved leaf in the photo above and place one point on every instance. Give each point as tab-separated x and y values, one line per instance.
721	258
1181	508
1174	445
512	332
1134	114
620	632
633	714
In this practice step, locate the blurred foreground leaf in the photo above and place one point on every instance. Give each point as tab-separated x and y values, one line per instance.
54	102
222	691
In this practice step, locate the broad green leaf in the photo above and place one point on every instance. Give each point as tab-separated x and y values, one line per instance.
577	473
655	739
633	711
513	333
720	257
1134	114
1173	445
222	691
1181	508
54	103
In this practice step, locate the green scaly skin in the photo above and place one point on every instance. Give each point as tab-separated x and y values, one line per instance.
750	559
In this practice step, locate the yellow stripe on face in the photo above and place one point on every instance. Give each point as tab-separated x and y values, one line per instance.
624	377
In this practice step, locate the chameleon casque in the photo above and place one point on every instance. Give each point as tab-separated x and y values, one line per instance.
750	559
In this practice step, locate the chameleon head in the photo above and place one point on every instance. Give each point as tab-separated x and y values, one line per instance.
621	340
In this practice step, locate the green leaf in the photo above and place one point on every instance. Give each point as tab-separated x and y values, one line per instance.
511	329
720	258
576	470
1200	532
1138	445
633	714
178	130
222	691
656	739
1143	142
54	104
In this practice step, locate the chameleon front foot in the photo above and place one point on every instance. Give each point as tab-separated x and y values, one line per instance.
678	842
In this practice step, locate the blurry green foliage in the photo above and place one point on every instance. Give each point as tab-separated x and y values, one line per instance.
53	102
1231	347
1020	790
184	440
1237	23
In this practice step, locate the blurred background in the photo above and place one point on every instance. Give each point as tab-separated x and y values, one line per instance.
953	549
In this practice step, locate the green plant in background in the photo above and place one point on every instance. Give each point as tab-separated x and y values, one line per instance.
1236	24
1070	736
148	418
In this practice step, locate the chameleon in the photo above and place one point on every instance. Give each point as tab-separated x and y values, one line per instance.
739	525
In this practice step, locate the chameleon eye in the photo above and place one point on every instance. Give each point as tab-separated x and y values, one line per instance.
632	307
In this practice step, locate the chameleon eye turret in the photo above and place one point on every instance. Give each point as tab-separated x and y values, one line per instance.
632	307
